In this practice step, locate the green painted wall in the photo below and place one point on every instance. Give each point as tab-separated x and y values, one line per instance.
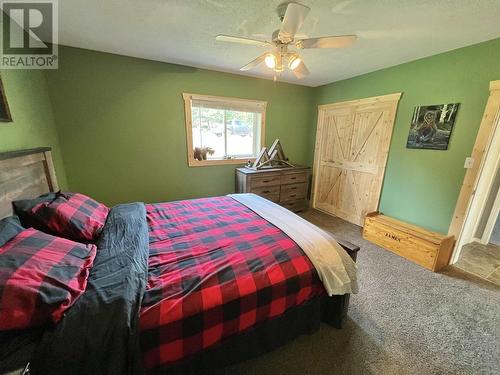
422	186
121	125
31	110
122	129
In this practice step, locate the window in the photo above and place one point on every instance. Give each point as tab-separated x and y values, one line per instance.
224	130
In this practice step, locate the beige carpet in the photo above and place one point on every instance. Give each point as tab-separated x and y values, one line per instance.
405	320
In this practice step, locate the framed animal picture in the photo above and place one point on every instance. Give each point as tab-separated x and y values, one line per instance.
431	126
4	106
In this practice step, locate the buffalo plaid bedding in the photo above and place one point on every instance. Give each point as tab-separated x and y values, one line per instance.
72	215
41	276
216	268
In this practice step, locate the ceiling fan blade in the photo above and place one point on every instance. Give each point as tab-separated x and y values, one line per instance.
252	64
328	42
292	21
301	71
237	39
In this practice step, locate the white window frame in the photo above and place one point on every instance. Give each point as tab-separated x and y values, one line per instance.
253	105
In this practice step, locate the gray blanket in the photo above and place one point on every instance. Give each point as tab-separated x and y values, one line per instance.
99	334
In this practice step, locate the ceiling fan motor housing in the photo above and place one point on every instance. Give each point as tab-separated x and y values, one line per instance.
281	10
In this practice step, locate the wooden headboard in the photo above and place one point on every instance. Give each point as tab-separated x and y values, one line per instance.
25	174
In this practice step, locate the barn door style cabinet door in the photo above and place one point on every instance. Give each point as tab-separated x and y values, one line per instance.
352	144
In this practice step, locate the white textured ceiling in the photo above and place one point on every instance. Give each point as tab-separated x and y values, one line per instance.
182	31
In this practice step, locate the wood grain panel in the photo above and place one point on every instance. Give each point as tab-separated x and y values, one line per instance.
286	186
25	174
429	249
292	178
21	161
293	192
294	206
351	151
300	190
269	192
265	181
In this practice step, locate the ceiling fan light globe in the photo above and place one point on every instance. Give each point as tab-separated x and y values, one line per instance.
294	62
270	61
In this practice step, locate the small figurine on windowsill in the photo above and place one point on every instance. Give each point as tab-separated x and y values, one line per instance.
274	158
200	153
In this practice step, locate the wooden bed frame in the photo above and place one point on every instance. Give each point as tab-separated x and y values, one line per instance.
30	173
25	174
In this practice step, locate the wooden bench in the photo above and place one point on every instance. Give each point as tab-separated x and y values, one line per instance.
429	249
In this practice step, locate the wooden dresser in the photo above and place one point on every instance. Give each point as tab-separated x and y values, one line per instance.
285	186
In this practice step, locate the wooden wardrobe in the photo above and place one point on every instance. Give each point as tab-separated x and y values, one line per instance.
352	144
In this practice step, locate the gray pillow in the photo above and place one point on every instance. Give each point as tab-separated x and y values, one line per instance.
9	228
22	208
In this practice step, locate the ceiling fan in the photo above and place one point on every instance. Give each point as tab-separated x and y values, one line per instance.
292	16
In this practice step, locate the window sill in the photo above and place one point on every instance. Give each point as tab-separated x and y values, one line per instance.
207	163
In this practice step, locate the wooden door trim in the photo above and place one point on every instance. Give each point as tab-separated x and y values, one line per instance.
392	101
371	100
492	218
391	117
483	139
316	162
471	179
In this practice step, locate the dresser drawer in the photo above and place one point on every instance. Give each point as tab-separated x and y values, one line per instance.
269	192
293	192
292	178
294	205
262	181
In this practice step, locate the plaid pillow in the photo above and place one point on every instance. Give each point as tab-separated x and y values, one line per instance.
41	276
9	228
73	216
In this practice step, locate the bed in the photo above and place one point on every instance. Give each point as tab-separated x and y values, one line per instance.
220	281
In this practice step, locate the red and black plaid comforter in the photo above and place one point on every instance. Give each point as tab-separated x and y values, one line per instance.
216	268
41	276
